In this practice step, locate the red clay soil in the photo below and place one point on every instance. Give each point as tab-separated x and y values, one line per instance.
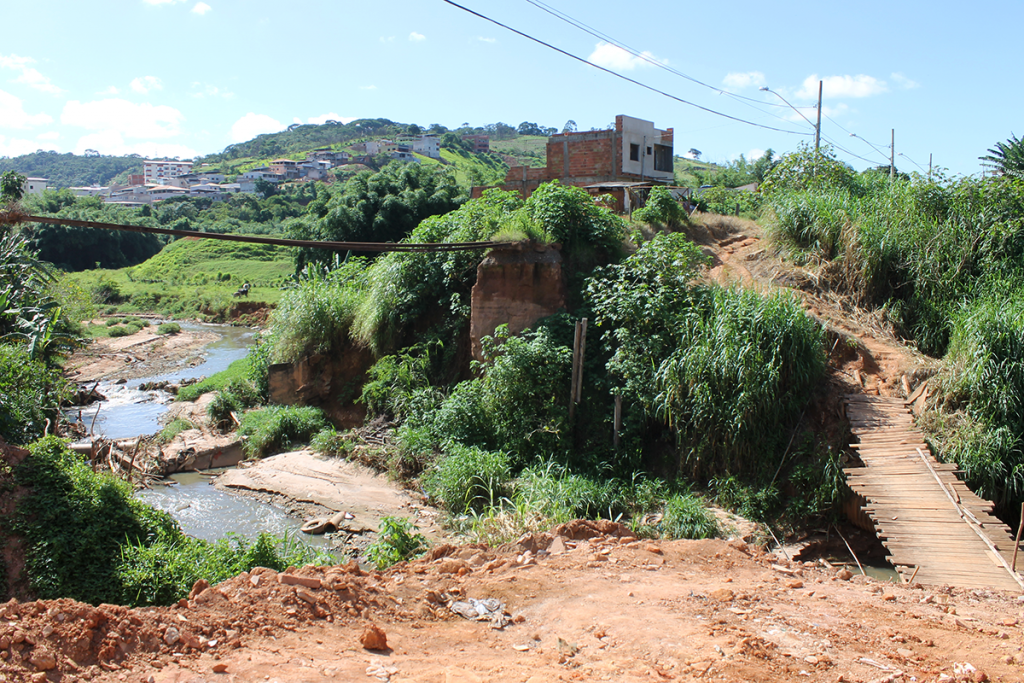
587	602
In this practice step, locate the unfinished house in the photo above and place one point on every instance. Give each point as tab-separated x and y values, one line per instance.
633	152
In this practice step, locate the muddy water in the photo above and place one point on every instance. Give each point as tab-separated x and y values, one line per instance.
129	411
206	512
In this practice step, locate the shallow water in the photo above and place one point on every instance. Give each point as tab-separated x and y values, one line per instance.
204	511
129	412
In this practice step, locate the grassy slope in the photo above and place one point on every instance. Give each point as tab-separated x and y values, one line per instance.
187	270
528	150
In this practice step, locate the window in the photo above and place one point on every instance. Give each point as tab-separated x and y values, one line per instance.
663	158
634	152
648	151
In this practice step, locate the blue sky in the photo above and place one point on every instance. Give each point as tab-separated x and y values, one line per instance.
188	77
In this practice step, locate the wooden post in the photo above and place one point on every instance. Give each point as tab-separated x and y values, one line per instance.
618	425
1016	543
583	352
575	370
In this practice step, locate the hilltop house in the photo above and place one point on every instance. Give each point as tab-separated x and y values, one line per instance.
632	152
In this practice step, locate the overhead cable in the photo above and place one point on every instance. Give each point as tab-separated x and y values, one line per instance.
618	75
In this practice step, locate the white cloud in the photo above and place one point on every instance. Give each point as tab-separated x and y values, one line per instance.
111	142
904	82
612	57
28	75
416	37
201	8
744	80
842	86
133	120
208	90
324	118
12	147
48	135
13	113
145	84
110	90
389	39
486	40
251	125
367	87
755	154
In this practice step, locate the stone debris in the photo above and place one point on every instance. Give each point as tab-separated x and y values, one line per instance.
374	638
489	609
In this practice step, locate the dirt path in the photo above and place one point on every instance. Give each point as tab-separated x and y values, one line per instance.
609	607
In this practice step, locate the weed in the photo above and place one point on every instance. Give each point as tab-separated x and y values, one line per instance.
275	428
396	542
168	328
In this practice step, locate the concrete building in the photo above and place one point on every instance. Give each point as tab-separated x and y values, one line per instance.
328	155
90	191
33	186
155	171
633	151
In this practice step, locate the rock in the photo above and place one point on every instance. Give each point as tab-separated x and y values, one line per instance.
844	575
557	546
889	597
722	595
220	668
292	579
811	659
904	652
1009	622
305	596
43	659
980	677
651	548
795	584
197	588
172	635
374	638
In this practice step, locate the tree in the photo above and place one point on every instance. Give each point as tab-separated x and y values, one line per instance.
12	186
569	127
1006	158
528	128
695	153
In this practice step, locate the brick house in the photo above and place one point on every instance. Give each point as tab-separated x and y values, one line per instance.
634	151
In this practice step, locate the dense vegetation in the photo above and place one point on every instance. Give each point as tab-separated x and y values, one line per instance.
71	170
500	451
944	260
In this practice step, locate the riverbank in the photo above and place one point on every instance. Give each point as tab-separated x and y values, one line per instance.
139	355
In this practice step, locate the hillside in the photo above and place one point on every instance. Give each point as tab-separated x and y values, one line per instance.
71	170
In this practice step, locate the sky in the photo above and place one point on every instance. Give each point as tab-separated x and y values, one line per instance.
182	78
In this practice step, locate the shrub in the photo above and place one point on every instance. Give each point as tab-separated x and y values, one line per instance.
561	495
686	517
106	291
75	522
329	442
467	477
123	331
168	328
662	209
175	427
275	428
396	542
30	393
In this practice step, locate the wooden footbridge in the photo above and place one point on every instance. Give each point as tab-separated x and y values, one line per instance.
937	531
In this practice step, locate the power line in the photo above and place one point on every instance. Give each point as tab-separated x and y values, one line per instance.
617	75
10	218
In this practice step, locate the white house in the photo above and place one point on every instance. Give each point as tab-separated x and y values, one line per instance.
33	186
428	146
90	191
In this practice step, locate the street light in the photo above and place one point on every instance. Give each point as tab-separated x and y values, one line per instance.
817	127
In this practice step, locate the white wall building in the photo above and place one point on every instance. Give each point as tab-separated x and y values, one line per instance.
33	186
156	171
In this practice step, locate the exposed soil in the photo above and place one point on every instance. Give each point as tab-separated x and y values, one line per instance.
142	354
586	602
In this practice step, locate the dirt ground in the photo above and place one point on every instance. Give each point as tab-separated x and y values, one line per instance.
586	602
142	354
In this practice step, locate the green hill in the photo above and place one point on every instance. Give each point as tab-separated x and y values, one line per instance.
70	170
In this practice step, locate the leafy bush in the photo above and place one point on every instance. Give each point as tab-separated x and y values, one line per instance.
393	380
686	517
276	428
238	370
396	542
467	477
107	292
329	442
163	572
30	393
662	209
75	522
560	495
168	328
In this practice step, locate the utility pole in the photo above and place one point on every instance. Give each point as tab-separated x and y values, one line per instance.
817	128
929	165
892	156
